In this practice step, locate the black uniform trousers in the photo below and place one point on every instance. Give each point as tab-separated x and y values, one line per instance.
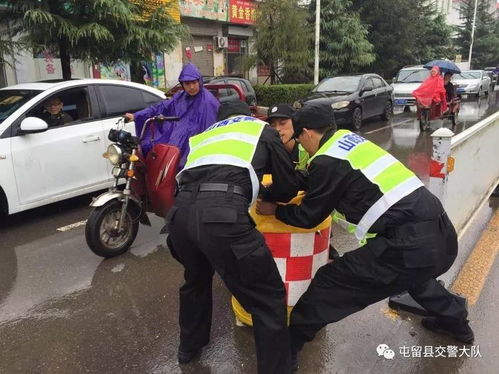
212	231
408	257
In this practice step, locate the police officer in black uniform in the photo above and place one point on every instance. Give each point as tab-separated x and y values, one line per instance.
415	243
280	117
211	230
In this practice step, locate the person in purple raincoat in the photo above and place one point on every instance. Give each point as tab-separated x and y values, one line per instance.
195	106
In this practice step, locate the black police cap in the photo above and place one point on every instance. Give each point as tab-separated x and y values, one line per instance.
280	111
313	116
233	108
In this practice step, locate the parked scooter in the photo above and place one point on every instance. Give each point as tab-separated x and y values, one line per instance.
149	187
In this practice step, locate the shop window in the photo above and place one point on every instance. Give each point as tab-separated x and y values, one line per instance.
237	49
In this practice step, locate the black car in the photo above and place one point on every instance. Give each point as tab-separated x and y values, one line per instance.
354	98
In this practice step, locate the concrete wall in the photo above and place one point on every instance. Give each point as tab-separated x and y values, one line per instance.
476	169
173	66
24	68
465	168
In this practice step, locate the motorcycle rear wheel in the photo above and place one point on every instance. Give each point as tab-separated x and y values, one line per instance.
102	238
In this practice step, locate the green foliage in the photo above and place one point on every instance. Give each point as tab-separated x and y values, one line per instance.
8	48
95	30
434	38
344	47
404	32
267	95
486	39
283	39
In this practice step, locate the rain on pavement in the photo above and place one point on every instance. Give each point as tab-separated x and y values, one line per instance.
65	310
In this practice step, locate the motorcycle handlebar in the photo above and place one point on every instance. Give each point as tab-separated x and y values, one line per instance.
162	118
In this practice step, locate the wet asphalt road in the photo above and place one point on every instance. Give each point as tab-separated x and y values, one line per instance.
65	310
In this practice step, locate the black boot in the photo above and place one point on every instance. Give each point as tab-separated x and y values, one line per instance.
184	356
460	331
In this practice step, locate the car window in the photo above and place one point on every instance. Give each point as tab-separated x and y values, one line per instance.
244	84
339	84
368	84
468	75
232	93
64	108
119	100
150	99
218	93
412	75
237	83
11	100
378	83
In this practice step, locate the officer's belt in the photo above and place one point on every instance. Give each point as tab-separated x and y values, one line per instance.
213	187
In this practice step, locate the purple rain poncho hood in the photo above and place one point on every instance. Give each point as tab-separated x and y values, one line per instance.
196	113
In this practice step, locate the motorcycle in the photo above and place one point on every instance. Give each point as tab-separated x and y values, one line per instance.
425	114
149	186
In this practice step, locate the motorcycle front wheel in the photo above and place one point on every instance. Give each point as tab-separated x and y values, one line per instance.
101	234
424	122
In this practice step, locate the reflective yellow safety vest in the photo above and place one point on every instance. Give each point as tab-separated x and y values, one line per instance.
393	179
302	158
229	142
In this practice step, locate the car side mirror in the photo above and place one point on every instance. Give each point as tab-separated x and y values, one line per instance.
32	125
394	79
365	89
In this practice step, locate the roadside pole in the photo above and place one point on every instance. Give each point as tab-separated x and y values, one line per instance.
317	37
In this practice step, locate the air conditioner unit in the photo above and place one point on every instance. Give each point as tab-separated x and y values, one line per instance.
221	41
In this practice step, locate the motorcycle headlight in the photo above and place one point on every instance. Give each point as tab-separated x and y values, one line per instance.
114	154
340	104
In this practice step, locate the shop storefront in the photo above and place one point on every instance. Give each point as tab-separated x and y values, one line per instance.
242	14
204	20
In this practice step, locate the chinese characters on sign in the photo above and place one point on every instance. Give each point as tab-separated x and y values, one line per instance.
49	62
242	12
430	351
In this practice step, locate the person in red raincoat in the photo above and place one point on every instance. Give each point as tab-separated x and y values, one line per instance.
432	90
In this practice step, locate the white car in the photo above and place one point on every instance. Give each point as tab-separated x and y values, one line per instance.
407	80
41	164
472	82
